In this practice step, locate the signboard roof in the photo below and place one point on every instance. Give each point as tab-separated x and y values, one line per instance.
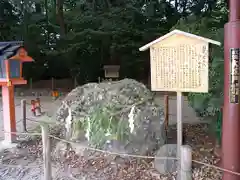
176	31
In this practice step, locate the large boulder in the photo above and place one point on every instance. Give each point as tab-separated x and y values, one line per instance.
116	116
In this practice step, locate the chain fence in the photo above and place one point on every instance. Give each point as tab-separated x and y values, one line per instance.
28	157
101	151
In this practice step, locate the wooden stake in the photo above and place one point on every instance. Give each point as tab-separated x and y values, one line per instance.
166	114
52	84
30	84
186	163
75	82
9	119
24	116
179	126
46	153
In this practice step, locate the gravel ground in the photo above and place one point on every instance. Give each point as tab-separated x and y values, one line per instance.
108	167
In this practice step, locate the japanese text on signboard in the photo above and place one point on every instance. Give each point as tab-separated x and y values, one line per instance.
180	68
234	75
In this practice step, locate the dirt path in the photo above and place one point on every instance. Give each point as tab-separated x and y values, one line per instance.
48	106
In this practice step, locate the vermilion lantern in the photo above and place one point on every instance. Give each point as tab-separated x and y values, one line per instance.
12	56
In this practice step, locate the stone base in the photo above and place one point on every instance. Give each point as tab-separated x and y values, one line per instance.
165	166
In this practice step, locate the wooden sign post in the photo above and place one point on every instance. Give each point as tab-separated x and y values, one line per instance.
179	63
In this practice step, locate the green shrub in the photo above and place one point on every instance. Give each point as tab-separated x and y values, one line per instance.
208	104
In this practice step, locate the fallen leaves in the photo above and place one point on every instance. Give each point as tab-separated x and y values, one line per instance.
102	166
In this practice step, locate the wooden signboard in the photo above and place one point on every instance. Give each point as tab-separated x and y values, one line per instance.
182	67
111	71
179	62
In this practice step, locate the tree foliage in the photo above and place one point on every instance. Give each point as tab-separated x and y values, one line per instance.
75	38
208	104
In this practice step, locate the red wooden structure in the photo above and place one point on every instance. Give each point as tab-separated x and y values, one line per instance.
231	111
12	56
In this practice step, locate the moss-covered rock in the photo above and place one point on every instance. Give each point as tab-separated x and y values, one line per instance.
101	115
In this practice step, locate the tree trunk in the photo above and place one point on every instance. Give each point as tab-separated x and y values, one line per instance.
60	17
47	21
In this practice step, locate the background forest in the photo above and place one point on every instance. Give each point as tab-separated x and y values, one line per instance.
75	38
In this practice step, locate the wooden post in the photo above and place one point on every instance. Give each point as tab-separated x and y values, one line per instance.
30	84
179	126
38	107
24	116
186	163
9	119
52	84
231	114
75	82
46	153
166	114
